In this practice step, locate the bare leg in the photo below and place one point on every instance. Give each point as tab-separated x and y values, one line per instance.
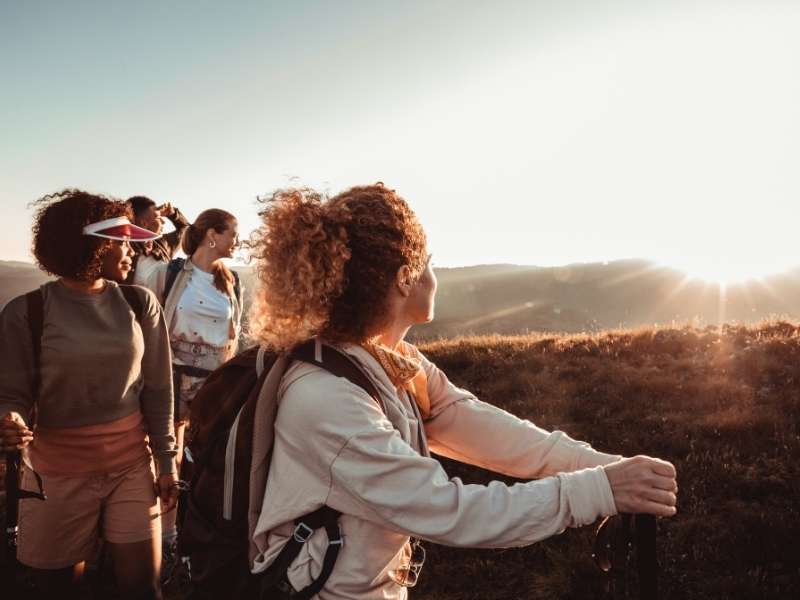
137	568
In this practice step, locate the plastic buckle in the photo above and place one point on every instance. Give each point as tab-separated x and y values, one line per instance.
336	541
302	532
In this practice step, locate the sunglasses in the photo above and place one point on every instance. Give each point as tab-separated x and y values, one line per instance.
407	575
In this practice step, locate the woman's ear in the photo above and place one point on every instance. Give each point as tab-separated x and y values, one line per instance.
404	281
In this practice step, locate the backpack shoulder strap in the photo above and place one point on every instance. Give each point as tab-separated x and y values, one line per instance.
134	300
237	286
174	267
35	305
337	363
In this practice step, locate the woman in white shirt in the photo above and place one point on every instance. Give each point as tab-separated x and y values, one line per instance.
203	311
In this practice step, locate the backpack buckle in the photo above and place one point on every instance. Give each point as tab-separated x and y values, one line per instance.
302	532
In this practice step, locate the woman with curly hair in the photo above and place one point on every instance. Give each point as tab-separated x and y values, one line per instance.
203	313
354	272
100	387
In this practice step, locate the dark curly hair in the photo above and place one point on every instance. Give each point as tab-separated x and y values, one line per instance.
325	267
59	245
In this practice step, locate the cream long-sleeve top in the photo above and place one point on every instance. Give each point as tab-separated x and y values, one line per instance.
334	445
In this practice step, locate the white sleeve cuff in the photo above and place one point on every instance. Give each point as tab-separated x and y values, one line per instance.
589	495
593	458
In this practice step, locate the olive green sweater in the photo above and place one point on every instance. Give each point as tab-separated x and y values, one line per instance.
98	363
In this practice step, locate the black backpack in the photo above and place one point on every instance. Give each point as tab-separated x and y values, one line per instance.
216	522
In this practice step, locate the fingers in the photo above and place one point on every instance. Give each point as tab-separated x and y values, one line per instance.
661	496
663	468
643	485
169	497
172	498
657	509
14	434
664	483
13	443
14	427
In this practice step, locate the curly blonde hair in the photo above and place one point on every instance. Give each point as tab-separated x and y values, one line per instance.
325	266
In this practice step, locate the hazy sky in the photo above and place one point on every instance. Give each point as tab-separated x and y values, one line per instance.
532	132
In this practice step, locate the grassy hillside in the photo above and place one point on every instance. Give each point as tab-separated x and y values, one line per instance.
723	405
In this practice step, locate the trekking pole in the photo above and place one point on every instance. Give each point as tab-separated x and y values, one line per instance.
10	564
646	559
617	541
12	502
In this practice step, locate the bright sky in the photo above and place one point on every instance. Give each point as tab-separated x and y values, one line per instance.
531	132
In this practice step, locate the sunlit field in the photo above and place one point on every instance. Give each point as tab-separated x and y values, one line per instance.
722	404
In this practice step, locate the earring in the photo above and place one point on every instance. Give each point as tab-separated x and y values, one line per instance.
212	244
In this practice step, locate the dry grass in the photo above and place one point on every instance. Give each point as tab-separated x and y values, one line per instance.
723	404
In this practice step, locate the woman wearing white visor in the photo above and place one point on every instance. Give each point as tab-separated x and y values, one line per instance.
96	369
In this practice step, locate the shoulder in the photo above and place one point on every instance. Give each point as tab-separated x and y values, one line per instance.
17	307
15	310
147	299
313	398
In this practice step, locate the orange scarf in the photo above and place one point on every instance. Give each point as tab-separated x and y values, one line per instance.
403	365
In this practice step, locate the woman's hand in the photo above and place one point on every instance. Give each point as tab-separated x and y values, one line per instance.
14	433
643	485
167	490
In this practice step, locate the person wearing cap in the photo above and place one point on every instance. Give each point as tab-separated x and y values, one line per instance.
101	392
151	253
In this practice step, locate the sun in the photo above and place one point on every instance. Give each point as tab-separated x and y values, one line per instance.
730	270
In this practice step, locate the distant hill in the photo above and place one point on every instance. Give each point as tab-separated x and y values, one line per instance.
17	278
510	299
592	297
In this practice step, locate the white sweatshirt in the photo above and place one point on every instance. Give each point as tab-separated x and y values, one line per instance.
334	446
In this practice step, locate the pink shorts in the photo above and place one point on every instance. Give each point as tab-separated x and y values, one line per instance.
63	530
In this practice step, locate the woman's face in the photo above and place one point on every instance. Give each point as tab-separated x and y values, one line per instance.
228	240
422	298
117	260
